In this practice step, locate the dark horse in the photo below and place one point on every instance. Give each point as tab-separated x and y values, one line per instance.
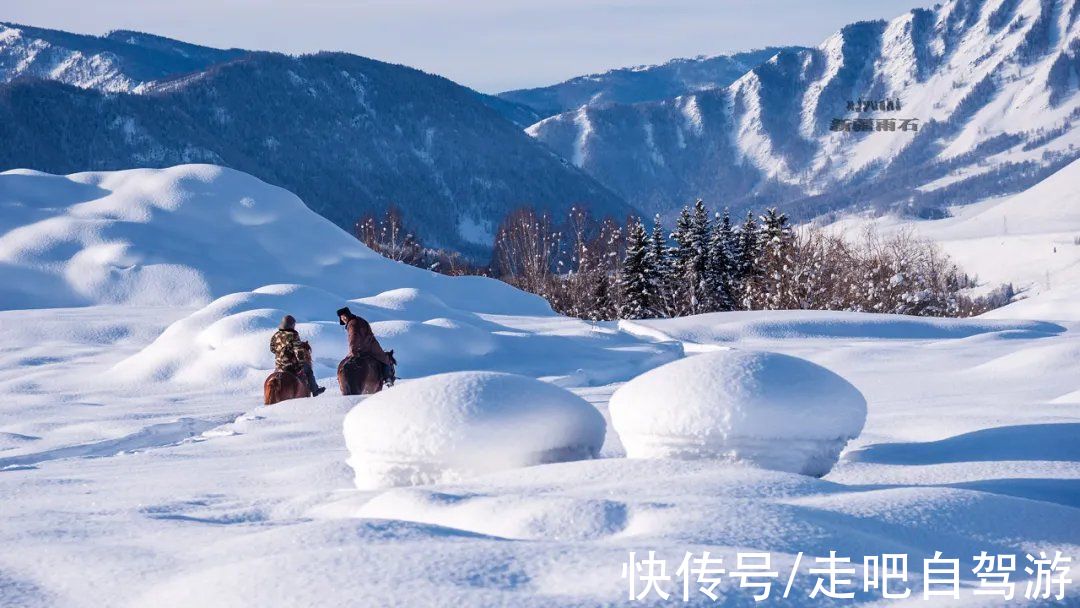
280	386
363	374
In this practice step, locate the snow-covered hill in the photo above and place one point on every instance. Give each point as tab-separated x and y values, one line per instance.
992	83
122	61
1030	240
138	466
237	254
350	135
184	236
642	83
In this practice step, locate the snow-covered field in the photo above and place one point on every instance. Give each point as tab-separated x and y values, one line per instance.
139	468
1031	239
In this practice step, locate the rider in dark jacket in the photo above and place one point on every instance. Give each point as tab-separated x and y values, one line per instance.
361	339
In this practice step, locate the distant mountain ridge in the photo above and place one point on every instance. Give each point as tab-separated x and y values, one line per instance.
992	83
120	61
349	135
642	83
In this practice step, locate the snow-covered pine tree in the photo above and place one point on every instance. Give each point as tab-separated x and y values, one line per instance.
772	289
746	266
679	256
603	308
696	265
634	279
656	264
722	263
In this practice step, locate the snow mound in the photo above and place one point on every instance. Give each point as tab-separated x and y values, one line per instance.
185	235
766	409
228	255
228	340
451	426
226	343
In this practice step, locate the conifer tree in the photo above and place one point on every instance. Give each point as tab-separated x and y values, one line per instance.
749	244
679	256
681	249
722	261
772	289
746	265
658	273
696	264
634	279
602	308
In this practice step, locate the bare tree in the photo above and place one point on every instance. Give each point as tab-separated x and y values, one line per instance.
525	250
388	236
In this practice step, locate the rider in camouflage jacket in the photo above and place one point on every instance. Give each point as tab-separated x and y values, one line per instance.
293	355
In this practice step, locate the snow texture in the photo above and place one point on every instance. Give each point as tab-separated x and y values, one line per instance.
452	426
1030	240
120	485
236	254
186	235
768	409
641	83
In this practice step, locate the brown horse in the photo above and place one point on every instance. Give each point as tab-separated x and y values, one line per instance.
363	374
281	385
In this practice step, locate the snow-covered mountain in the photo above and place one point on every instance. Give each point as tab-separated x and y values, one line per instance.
992	83
642	83
131	62
120	61
351	135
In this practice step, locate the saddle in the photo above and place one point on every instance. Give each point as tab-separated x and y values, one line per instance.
294	372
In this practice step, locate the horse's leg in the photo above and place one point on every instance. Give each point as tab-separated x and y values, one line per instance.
343	379
371	382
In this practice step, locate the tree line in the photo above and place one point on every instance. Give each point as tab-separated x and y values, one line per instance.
604	270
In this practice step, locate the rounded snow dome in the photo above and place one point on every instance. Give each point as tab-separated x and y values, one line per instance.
766	409
450	426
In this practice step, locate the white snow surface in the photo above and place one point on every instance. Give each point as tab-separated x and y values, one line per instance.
186	235
139	467
769	409
1030	239
237	254
452	426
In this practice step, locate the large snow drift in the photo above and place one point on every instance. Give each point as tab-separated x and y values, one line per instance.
248	253
768	409
450	426
185	235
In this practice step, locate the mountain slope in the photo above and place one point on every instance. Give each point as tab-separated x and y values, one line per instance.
642	83
120	61
1027	240
349	135
992	83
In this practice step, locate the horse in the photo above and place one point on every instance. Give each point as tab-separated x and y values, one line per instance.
363	374
282	385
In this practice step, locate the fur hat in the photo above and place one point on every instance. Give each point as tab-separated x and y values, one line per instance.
344	311
287	322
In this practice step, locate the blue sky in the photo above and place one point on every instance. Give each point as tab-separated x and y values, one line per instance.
490	45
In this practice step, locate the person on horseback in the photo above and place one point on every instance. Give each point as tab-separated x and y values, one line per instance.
362	341
293	355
